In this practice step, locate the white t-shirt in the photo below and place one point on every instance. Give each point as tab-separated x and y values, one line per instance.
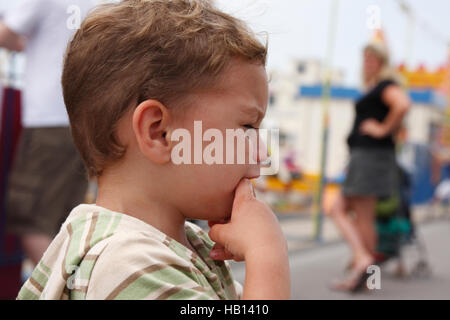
48	27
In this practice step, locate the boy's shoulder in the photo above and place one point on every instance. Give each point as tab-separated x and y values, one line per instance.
109	255
99	231
140	262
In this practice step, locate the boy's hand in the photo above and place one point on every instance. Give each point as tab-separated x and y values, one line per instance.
252	230
219	252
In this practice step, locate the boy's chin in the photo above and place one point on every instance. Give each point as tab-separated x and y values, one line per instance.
215	213
212	209
216	216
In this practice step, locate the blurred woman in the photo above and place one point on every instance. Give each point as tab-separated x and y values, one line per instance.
372	167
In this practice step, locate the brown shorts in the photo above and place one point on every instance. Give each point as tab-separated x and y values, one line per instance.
47	181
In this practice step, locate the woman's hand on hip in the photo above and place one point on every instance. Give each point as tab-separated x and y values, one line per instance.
373	128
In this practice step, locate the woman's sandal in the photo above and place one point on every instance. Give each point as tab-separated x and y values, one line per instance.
356	282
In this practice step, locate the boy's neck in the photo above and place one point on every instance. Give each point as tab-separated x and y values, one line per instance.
141	202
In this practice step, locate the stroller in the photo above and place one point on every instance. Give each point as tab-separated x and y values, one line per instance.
396	231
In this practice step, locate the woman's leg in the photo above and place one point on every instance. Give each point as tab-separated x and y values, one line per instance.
365	222
362	257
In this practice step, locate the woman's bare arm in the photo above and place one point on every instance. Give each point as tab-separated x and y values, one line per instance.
399	103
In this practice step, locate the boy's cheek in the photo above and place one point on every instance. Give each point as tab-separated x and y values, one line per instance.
209	195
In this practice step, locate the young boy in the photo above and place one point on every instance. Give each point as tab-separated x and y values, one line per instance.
135	73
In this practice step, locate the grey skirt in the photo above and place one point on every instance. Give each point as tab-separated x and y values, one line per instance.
371	172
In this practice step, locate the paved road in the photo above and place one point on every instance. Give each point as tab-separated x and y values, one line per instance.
313	269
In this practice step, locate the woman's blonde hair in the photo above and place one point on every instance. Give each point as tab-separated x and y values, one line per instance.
386	71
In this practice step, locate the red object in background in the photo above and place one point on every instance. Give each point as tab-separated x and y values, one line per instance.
10	278
10	251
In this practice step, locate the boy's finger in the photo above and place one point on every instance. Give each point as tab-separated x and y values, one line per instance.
218	252
211	223
221	254
218	246
217	233
244	190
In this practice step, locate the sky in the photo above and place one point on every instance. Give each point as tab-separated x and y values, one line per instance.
300	29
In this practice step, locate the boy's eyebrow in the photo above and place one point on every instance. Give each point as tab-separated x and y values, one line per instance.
253	111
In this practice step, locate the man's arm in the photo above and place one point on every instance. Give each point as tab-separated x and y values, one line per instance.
10	40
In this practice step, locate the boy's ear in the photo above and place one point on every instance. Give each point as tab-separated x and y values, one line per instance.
151	120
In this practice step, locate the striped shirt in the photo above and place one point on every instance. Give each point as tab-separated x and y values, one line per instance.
101	254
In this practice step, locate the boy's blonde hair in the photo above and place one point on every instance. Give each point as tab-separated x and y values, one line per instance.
125	53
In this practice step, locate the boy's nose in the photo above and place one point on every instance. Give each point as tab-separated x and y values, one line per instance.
263	157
